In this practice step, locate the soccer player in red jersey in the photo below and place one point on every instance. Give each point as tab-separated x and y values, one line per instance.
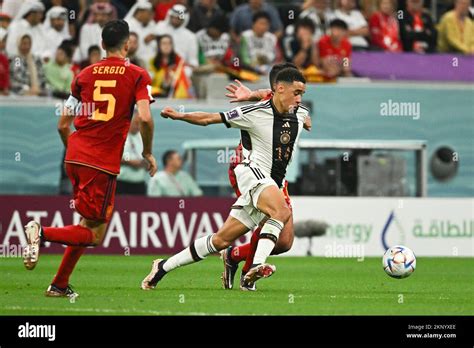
232	256
101	105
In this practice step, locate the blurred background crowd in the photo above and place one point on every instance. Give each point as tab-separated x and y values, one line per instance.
44	44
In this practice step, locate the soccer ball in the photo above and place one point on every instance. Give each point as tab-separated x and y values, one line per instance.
399	261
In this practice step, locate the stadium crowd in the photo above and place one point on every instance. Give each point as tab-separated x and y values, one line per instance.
44	44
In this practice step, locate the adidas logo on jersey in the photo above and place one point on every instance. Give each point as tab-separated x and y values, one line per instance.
286	125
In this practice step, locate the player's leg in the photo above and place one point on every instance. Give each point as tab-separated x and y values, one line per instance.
284	243
94	193
197	251
271	202
60	284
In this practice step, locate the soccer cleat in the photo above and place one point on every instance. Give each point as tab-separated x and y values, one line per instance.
33	231
230	268
246	287
54	291
157	272
257	272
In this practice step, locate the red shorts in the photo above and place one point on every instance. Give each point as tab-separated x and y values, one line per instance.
94	192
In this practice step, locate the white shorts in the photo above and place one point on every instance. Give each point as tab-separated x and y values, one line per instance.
251	181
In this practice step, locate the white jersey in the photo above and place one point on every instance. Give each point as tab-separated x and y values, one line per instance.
268	137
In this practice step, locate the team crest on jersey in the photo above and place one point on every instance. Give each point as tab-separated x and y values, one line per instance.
232	114
285	137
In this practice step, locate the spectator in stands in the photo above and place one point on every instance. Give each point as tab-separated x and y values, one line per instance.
5	20
56	28
108	3
76	9
91	32
300	48
140	20
321	15
58	72
173	181
162	7
133	47
358	28
258	45
28	21
185	41
456	30
213	41
164	67
94	55
26	70
335	50
417	31
131	180
4	66
242	18
384	33
11	7
202	14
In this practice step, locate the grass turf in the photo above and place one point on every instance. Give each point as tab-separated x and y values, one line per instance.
109	285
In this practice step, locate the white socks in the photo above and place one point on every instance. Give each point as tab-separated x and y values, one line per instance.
268	238
197	251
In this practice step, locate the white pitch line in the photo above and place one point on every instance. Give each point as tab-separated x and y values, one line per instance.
107	310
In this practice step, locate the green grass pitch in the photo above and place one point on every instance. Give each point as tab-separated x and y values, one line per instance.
109	285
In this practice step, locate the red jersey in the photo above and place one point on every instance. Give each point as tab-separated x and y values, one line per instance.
327	48
108	91
384	32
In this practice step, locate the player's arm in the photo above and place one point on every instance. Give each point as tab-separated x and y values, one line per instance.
146	131
67	116
239	92
64	125
198	117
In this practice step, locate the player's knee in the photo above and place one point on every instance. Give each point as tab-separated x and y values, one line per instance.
282	214
220	243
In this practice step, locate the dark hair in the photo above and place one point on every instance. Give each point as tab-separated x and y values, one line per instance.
290	75
338	23
115	34
305	23
134	34
159	55
261	14
167	156
276	69
92	49
219	22
67	48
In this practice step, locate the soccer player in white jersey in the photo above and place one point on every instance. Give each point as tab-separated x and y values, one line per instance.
269	132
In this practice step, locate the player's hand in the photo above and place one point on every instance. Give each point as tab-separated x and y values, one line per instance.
169	112
238	92
150	160
307	123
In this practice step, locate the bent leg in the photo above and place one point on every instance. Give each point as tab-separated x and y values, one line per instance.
202	247
286	238
271	201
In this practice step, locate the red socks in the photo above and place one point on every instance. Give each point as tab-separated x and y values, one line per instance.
253	248
239	253
242	252
70	258
70	235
